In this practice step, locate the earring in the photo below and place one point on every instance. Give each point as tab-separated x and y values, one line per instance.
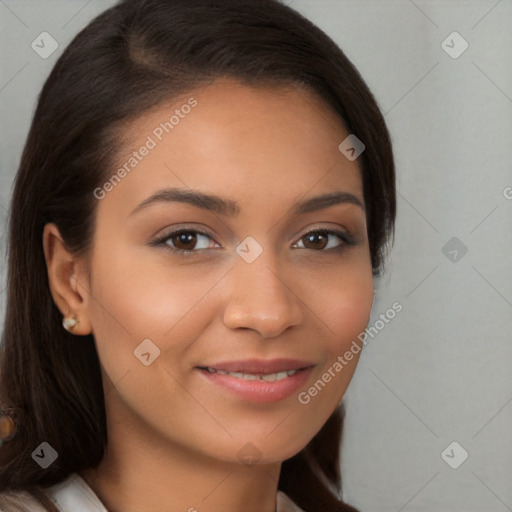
69	323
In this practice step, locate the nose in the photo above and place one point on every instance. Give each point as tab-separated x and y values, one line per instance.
262	298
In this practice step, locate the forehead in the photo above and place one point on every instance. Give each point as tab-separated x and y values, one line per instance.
252	143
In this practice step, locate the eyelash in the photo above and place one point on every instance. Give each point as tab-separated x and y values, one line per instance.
348	241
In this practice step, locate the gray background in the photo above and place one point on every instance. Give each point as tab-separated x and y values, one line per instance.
440	371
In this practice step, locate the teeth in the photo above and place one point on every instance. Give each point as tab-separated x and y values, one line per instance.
270	377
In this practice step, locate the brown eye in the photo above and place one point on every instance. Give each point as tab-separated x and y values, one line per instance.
323	240
185	240
188	242
315	240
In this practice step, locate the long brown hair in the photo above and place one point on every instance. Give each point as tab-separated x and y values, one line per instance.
130	58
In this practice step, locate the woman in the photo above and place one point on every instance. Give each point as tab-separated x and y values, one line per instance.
206	194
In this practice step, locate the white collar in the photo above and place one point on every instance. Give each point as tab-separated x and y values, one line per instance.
75	495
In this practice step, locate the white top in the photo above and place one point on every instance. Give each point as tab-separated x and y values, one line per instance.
75	495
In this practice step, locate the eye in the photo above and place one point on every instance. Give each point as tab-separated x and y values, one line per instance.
184	241
319	240
188	241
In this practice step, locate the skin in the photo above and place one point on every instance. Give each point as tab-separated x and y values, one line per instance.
174	437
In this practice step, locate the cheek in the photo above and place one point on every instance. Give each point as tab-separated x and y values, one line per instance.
344	308
343	300
137	299
349	312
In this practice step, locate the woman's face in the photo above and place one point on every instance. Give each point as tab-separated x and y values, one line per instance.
262	291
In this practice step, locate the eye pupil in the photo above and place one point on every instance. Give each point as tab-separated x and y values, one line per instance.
186	238
315	236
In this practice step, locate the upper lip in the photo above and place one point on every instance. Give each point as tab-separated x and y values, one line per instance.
260	366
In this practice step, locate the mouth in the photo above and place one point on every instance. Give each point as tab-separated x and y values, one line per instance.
259	380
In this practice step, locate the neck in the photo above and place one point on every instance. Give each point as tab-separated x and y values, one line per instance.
143	472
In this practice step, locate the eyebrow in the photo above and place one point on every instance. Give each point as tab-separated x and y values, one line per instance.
229	208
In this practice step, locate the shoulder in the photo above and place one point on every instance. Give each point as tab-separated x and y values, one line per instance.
19	501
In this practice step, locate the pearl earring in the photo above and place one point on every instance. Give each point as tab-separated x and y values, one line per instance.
69	323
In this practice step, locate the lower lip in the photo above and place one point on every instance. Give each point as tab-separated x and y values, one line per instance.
260	390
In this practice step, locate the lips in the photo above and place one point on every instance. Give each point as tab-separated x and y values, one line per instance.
259	380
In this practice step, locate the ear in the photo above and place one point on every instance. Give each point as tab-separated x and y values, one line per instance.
69	282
